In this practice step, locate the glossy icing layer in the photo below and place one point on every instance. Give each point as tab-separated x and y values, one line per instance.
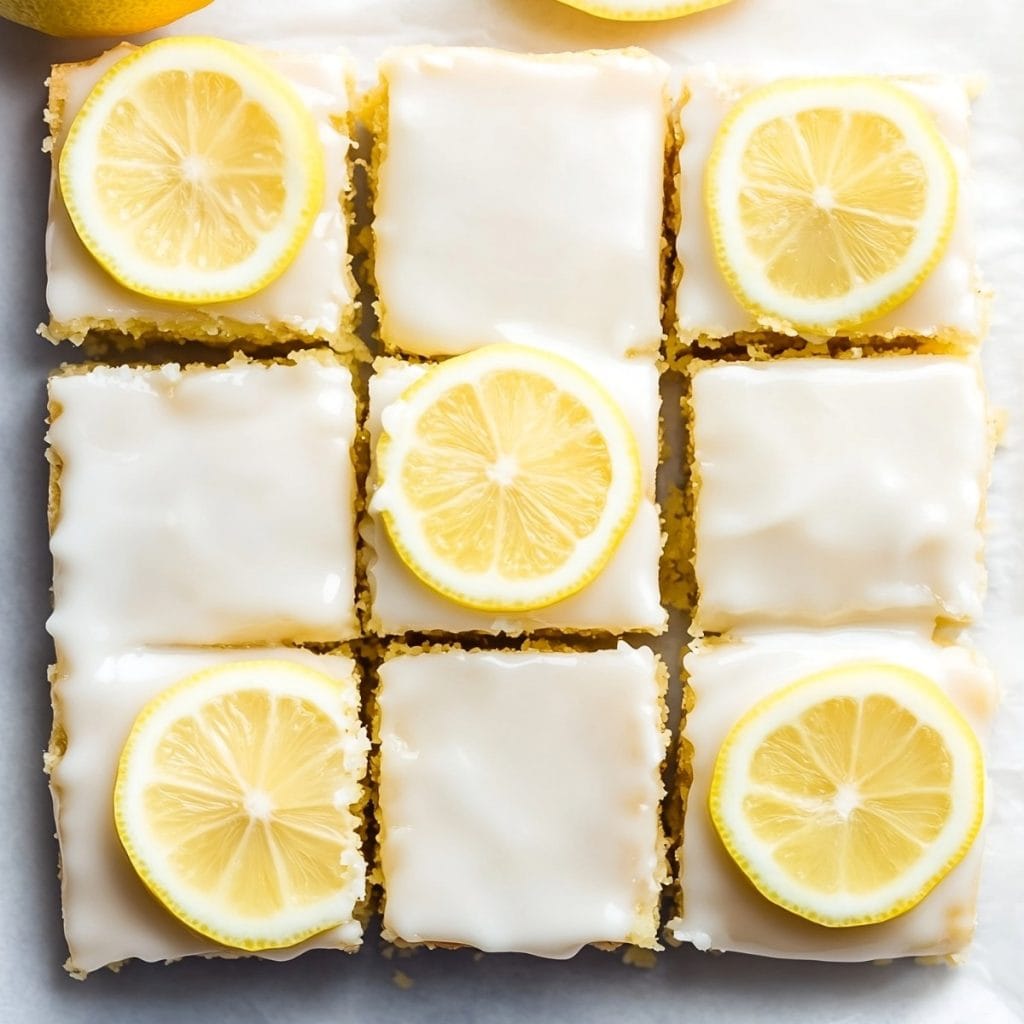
109	915
312	298
520	199
204	506
836	491
948	304
624	596
721	909
519	797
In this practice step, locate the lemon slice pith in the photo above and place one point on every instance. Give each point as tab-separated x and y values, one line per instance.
641	10
849	795
829	200
506	478
233	802
192	172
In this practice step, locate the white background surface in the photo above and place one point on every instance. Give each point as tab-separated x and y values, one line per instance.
790	35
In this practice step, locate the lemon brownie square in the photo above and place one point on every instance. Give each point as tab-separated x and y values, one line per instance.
109	914
838	490
313	299
948	309
720	907
204	504
623	597
519	197
519	798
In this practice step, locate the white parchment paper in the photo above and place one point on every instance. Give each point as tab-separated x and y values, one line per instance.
966	36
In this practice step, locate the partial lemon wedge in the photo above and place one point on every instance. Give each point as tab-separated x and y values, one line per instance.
80	18
830	200
641	10
848	796
506	478
234	802
193	172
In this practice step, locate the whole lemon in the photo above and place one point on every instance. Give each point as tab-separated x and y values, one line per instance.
96	17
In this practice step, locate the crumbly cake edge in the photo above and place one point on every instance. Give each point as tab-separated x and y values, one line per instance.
675	349
678	798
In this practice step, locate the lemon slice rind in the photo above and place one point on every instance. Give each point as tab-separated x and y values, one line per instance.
724	182
205	913
932	708
493	592
302	174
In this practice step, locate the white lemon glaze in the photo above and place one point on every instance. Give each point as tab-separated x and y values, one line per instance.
947	304
624	596
311	298
520	198
834	491
519	799
721	909
109	916
205	506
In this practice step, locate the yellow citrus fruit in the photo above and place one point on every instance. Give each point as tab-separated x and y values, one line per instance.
234	801
849	795
193	172
641	10
506	478
96	17
829	200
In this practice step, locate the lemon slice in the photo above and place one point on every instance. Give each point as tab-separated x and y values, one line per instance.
506	478
641	10
830	201
80	18
233	802
193	172
848	796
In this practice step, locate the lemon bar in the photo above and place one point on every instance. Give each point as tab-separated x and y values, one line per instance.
624	597
838	490
109	916
720	908
312	301
204	505
947	311
519	198
519	799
